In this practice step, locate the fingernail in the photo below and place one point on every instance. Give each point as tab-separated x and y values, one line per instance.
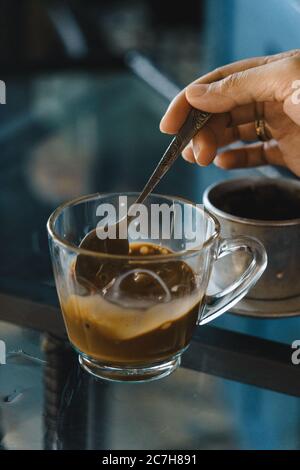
196	90
184	152
217	161
162	121
161	126
197	153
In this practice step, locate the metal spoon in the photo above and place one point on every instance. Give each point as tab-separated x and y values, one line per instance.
120	246
194	122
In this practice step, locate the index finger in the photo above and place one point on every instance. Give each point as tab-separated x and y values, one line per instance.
179	108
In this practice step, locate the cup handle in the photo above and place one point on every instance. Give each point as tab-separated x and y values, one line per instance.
215	305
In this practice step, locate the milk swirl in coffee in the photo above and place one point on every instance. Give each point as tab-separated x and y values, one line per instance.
124	312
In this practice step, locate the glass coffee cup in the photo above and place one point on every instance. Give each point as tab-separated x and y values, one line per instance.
131	316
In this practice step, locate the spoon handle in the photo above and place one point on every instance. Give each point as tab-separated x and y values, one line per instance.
194	122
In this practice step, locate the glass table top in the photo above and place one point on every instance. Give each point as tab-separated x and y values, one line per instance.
48	402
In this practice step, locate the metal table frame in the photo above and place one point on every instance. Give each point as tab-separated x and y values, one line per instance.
216	351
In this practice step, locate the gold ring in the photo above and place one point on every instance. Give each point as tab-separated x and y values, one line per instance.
261	130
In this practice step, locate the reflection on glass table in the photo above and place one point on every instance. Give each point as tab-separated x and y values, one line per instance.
48	402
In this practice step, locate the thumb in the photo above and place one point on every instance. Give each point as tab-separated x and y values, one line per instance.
269	82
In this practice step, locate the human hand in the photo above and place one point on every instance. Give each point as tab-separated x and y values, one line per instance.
267	88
